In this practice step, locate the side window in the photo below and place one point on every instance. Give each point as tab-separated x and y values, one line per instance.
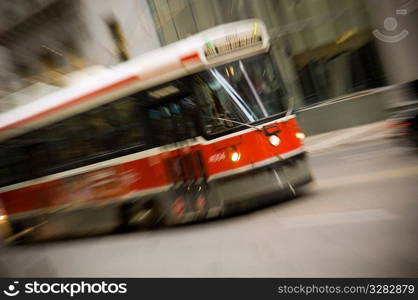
126	123
97	133
162	124
13	159
56	145
67	141
170	122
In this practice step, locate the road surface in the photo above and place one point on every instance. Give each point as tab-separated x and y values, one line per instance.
360	219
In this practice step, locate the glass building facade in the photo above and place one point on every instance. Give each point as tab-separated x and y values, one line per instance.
323	48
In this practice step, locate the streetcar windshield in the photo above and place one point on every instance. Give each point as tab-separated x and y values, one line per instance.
244	91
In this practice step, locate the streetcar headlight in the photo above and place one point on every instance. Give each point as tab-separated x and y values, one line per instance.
274	140
235	156
300	135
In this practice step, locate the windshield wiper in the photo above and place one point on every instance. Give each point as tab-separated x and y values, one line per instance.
253	90
291	106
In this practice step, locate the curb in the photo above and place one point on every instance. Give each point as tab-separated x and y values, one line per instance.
357	138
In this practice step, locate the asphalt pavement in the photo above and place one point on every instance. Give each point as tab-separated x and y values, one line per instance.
360	218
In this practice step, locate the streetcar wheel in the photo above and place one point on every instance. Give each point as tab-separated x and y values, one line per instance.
171	209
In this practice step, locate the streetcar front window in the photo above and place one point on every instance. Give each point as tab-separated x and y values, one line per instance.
244	91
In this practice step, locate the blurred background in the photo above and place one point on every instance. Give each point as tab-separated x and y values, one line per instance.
347	64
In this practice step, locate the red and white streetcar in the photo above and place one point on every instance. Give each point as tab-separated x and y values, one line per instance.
194	130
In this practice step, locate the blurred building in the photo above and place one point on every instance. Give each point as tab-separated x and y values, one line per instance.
38	40
133	19
396	24
325	48
392	18
42	41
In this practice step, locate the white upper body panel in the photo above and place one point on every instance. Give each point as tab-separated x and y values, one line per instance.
209	48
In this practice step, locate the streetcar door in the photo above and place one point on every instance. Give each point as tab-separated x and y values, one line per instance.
174	127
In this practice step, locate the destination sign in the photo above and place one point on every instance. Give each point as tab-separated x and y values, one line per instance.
231	43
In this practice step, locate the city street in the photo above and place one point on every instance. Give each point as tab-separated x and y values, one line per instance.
359	219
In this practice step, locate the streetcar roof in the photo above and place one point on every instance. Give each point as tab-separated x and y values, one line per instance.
173	61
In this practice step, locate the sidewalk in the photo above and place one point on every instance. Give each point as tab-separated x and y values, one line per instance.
363	133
